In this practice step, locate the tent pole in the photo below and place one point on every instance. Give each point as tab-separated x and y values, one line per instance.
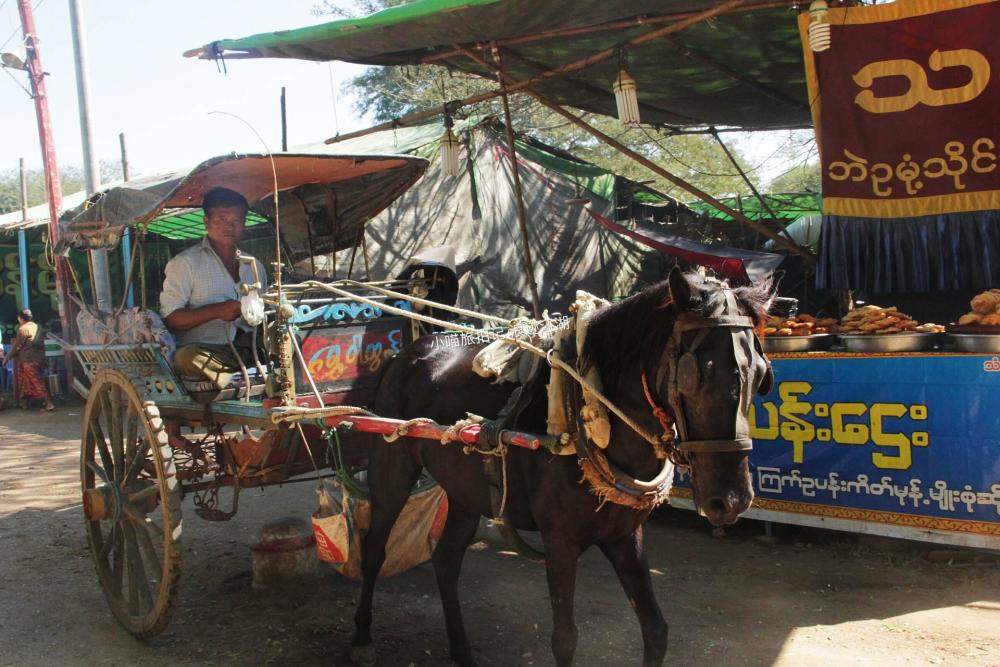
529	267
646	162
563	70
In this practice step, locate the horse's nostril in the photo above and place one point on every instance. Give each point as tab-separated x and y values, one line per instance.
717	505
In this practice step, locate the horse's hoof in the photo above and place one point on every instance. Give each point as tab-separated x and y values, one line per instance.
463	659
363	655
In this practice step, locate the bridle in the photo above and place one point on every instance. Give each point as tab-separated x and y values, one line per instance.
678	373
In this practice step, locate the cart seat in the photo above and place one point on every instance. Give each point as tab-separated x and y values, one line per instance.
205	391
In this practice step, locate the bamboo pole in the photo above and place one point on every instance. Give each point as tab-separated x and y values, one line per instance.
529	267
649	164
563	70
676	180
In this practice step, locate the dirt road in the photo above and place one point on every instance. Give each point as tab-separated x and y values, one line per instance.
811	598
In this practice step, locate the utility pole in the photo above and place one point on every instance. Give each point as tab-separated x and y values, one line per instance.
37	77
91	168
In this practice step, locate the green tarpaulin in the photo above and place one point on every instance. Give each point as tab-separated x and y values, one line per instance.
743	68
782	206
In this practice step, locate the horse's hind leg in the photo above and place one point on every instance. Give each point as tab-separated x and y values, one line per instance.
628	557
391	475
459	530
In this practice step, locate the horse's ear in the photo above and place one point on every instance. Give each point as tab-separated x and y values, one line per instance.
680	288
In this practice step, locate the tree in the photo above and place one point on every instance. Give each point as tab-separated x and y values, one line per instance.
71	179
800	178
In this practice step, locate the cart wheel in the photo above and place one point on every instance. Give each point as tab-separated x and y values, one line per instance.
131	501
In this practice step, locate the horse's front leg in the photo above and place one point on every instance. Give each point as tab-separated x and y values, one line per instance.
560	568
391	475
628	557
459	530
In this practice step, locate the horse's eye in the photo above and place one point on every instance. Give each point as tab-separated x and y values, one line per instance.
709	368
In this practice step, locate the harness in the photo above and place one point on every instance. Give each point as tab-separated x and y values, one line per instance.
679	376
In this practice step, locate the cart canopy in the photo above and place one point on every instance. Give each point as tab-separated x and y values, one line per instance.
743	68
322	205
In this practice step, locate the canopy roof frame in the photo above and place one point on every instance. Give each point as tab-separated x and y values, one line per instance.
787	243
568	68
590	29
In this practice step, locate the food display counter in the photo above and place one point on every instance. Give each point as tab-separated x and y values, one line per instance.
896	444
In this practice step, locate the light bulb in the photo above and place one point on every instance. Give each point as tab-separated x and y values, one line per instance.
626	98
819	29
449	153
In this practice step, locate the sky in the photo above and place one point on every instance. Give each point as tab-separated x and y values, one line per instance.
141	85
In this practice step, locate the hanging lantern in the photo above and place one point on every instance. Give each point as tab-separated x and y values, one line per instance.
449	150
627	99
819	29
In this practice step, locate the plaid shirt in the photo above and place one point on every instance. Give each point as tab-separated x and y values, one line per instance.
197	277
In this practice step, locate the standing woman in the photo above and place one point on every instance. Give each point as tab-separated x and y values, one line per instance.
28	353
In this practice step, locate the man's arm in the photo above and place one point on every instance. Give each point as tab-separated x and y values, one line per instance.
176	295
183	319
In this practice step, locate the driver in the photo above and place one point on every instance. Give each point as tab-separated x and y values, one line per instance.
200	299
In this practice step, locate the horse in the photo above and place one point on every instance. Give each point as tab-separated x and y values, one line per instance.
706	361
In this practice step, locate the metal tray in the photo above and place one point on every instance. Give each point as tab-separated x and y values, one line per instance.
976	342
797	343
898	342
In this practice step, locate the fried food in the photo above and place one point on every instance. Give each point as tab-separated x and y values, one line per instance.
786	331
820	330
888	330
970	318
985	303
769	331
991	320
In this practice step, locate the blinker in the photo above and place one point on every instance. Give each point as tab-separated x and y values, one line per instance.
688	375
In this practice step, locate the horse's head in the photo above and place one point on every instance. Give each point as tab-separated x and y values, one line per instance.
709	370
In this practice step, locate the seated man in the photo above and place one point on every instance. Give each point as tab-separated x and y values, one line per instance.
200	299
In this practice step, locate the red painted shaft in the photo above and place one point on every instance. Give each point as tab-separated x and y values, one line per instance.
434	431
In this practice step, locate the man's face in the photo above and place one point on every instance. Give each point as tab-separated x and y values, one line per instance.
225	224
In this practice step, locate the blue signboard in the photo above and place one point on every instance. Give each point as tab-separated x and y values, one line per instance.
910	441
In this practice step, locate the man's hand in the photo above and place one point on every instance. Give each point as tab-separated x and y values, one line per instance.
184	319
228	311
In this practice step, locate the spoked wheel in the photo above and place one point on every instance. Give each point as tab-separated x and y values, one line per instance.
131	501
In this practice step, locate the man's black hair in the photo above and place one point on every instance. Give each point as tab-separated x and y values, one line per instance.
223	197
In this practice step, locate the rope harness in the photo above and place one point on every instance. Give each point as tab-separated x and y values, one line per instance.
678	376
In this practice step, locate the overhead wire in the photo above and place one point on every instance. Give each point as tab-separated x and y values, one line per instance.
18	28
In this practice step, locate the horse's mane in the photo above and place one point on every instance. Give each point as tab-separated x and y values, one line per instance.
623	334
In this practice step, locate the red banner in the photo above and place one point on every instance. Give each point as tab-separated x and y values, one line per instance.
906	105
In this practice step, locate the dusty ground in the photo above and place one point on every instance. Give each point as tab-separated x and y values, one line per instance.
810	598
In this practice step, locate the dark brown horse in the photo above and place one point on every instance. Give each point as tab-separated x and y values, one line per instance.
722	366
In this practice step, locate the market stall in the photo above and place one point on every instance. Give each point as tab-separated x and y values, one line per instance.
899	434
